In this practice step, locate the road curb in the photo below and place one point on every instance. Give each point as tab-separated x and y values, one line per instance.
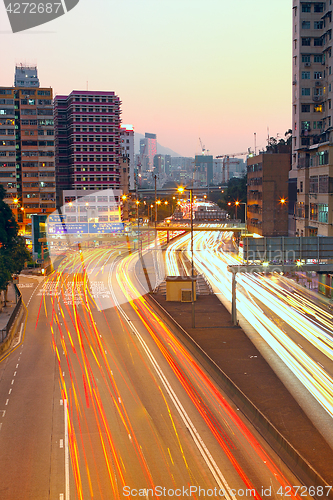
288	454
5	346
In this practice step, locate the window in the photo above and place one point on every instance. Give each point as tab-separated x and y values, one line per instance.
306	7
306	42
317	75
305	59
305	108
318	58
323	157
318	125
313	211
317	42
306	25
306	91
318	7
305	75
318	108
305	125
318	25
322	212
318	91
313	186
323	184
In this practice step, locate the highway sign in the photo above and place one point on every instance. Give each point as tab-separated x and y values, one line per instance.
85	228
56	218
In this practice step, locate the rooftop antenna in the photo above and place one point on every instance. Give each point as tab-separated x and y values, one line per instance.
255	144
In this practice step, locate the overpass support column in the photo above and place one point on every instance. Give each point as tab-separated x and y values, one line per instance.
233	300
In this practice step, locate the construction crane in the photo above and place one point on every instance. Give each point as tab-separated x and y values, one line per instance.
248	152
202	147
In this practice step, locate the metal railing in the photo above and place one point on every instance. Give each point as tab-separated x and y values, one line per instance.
5	331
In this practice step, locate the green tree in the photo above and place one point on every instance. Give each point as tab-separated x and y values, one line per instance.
13	252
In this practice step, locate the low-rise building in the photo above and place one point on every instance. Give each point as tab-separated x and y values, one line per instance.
267	190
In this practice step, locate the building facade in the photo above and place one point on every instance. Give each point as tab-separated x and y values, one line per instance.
312	155
267	190
127	149
27	151
203	170
87	128
26	76
148	149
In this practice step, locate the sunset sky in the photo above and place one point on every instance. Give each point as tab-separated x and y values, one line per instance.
215	69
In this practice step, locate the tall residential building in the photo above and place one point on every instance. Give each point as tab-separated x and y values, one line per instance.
87	127
312	155
27	157
267	190
148	149
203	170
127	149
26	76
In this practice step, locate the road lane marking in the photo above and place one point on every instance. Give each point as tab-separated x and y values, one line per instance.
6	403
61	402
0	426
61	443
10	390
12	381
3	412
61	496
15	374
320	364
17	365
200	444
66	452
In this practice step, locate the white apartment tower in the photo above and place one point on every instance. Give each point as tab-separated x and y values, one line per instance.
312	154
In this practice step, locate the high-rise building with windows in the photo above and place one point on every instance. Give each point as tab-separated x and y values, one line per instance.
127	149
312	155
27	155
148	149
26	76
87	127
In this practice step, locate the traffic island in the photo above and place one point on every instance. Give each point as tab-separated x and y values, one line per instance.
250	382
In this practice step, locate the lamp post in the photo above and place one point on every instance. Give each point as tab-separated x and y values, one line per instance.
137	217
181	190
245	212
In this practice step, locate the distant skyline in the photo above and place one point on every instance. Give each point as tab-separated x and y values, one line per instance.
184	69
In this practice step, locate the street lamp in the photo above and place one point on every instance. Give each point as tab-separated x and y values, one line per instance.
181	190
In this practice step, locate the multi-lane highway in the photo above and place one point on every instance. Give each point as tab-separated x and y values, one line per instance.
100	400
299	330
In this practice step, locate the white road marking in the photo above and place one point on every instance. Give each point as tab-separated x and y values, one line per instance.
320	364
210	462
0	426
61	402
61	443
15	374
61	496
6	403
12	381
3	412
66	452
10	390
17	365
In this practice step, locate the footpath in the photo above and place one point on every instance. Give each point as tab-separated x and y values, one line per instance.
5	316
234	353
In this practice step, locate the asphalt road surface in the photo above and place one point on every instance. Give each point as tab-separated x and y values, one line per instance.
101	401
